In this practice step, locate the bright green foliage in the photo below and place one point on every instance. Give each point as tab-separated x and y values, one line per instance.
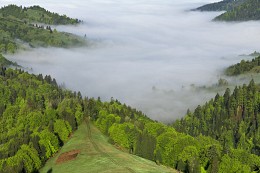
11	47
245	158
118	134
49	141
101	157
150	139
63	129
16	23
104	121
36	117
67	109
155	128
188	153
164	145
30	158
244	67
232	165
26	158
36	14
233	120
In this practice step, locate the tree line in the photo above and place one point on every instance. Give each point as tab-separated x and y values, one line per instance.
165	145
248	10
37	117
236	10
232	119
36	14
225	5
16	27
244	67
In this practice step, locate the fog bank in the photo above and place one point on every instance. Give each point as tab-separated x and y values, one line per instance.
146	53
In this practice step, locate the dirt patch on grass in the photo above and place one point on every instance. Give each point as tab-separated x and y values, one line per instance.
70	155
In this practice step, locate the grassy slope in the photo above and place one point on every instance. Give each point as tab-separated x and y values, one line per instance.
97	155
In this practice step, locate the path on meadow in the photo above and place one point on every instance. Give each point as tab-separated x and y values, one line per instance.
102	152
88	151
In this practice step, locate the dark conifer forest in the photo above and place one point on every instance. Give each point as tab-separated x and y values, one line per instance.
38	116
236	10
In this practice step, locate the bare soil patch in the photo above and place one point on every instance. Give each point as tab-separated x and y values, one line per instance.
70	155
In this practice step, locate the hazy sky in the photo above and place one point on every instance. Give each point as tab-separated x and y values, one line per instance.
146	53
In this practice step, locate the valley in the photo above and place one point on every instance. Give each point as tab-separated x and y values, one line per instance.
129	87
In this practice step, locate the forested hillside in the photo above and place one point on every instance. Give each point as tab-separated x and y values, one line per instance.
163	144
16	29
6	63
225	5
36	14
37	117
237	10
249	10
244	67
232	119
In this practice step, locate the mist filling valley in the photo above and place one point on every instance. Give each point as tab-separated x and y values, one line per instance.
146	53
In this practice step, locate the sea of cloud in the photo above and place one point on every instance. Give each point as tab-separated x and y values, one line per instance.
145	53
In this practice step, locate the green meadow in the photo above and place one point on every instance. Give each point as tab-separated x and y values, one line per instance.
97	155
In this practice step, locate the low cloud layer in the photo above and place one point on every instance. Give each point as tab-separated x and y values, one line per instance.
146	53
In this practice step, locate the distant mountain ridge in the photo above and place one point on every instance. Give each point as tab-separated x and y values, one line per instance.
20	25
249	10
225	5
36	14
243	67
236	10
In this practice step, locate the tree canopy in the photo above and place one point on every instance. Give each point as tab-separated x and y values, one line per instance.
17	26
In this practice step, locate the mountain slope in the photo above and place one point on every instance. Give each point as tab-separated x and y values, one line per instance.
225	5
6	63
233	119
96	155
249	10
37	117
36	14
243	67
18	31
236	10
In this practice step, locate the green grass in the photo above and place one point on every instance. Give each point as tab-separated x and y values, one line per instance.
97	155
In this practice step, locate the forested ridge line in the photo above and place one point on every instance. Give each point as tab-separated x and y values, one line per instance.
18	24
225	5
236	10
248	10
164	145
232	119
36	14
37	117
244	67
